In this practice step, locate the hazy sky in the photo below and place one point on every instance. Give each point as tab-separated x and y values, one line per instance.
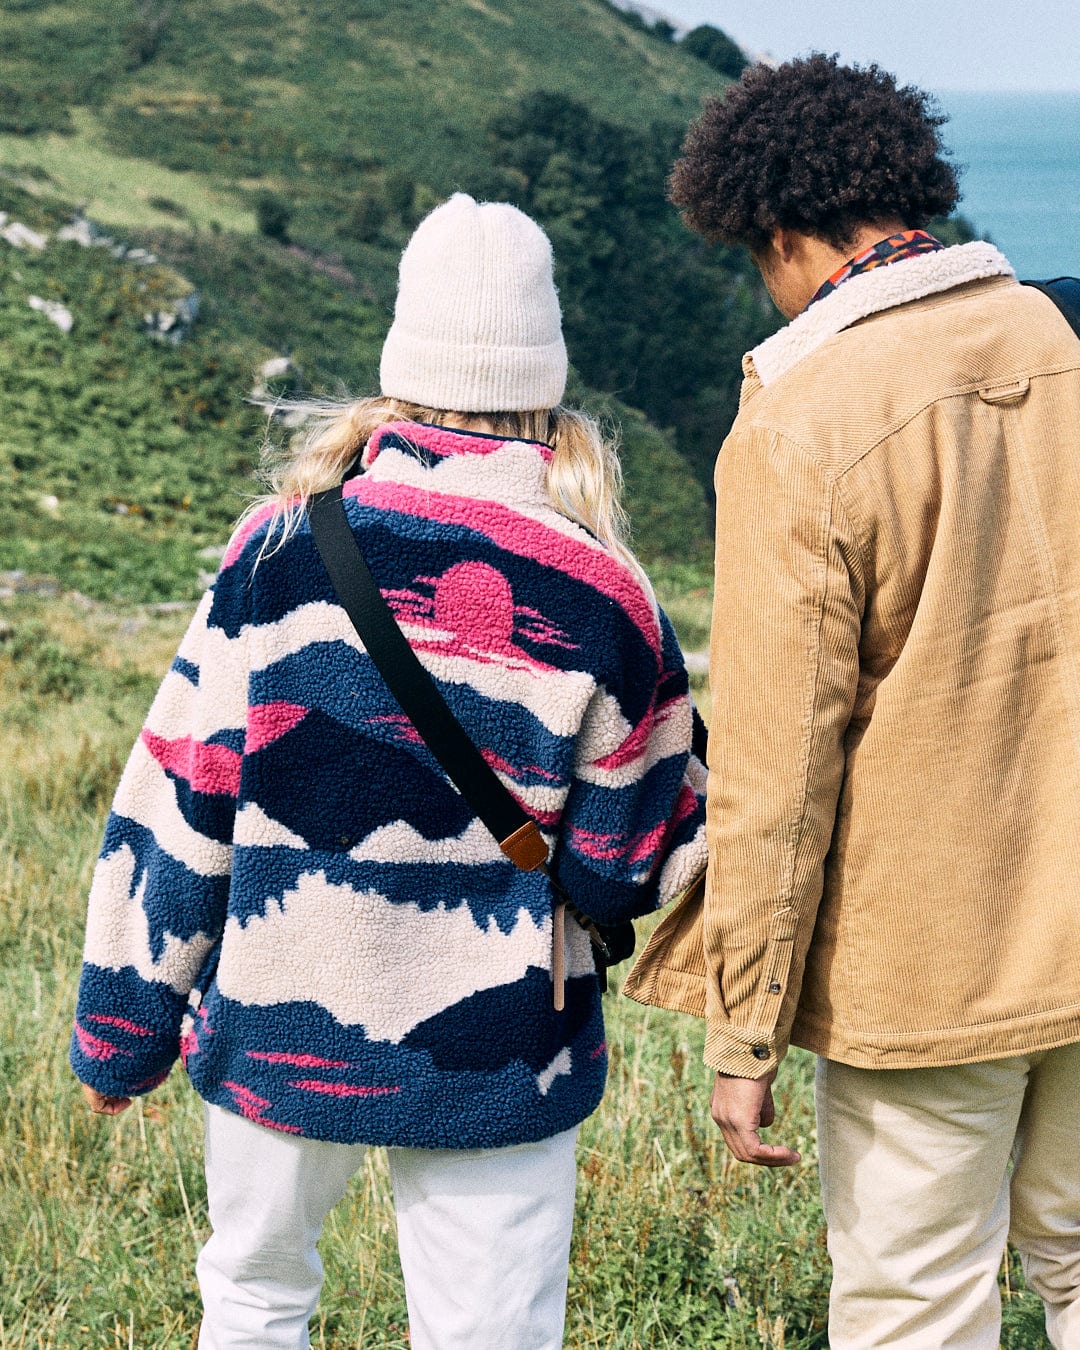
938	44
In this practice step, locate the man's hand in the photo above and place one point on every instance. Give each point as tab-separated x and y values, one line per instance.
102	1105
742	1106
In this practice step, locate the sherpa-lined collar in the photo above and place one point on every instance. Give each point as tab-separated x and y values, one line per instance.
459	462
883	288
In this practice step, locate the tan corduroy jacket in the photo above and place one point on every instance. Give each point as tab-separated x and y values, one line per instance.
894	865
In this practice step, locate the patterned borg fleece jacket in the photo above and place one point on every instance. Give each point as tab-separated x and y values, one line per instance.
291	895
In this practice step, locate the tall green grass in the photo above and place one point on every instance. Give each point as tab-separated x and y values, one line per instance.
676	1245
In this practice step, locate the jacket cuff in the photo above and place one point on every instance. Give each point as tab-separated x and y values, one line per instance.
742	1052
134	1082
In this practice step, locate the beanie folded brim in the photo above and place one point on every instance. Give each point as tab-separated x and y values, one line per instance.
464	378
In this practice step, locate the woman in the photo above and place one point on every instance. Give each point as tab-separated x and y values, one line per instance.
293	898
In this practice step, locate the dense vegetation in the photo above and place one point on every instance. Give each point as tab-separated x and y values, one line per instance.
125	456
675	1244
649	311
276	158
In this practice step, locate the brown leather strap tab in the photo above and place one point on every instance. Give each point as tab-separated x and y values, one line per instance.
558	957
526	848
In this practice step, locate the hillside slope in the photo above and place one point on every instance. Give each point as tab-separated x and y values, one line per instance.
127	457
275	155
319	95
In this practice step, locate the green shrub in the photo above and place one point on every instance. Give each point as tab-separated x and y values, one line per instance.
25	111
167	206
716	49
45	667
273	216
366	217
400	193
145	32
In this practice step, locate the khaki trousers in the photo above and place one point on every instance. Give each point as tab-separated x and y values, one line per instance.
919	1198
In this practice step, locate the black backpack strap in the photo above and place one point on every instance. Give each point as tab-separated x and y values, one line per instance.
1065	293
517	833
699	736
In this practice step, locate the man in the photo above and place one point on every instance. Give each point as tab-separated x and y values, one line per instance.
894	866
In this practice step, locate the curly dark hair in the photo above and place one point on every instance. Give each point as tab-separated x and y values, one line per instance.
812	146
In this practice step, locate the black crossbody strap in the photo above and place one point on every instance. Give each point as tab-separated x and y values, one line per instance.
1065	293
517	833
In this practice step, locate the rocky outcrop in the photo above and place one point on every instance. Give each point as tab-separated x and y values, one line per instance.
54	311
23	583
173	324
19	235
170	324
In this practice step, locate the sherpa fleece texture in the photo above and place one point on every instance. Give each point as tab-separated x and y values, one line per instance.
873	292
292	896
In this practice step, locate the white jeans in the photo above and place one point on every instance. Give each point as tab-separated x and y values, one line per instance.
483	1234
919	1198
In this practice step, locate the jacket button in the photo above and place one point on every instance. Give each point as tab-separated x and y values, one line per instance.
775	987
345	841
760	1052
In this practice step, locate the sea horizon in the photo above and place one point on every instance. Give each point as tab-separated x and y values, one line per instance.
1019	154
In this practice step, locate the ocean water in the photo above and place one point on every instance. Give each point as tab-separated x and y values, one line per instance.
1020	158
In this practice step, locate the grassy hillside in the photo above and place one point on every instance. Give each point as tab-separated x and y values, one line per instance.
269	86
675	1245
172	126
197	106
126	457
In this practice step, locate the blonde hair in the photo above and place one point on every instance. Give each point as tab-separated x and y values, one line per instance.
584	474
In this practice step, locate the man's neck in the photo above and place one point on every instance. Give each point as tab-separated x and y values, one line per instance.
828	259
796	264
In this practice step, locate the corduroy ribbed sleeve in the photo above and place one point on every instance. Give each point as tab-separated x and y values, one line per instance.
784	672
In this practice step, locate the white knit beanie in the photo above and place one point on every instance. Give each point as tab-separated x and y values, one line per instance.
476	326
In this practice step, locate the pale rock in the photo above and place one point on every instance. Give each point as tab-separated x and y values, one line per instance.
80	232
22	236
276	367
54	311
173	325
277	379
